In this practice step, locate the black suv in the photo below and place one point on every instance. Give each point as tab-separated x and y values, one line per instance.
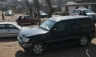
57	31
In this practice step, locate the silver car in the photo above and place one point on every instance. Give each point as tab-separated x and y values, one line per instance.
9	29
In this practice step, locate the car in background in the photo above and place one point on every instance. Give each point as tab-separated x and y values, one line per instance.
10	29
42	14
26	19
9	13
56	14
87	11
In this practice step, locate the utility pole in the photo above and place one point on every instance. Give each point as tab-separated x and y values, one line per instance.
38	8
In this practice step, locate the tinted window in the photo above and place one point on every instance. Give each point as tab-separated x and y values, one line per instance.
81	24
60	26
2	26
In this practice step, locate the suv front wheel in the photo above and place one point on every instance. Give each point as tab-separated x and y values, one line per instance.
38	48
83	40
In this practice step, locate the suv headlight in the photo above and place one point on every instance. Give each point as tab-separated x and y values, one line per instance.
25	39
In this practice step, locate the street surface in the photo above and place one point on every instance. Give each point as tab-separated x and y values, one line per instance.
9	47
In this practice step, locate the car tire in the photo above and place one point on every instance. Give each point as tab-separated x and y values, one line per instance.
38	48
83	41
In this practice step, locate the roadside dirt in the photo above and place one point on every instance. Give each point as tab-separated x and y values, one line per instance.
9	47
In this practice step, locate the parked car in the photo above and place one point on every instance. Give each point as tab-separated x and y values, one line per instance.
87	12
42	14
56	14
9	13
9	29
22	19
57	31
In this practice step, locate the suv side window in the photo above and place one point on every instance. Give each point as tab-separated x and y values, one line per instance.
60	26
85	24
72	24
79	23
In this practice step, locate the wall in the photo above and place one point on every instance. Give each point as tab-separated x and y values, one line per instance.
63	9
72	8
81	6
89	7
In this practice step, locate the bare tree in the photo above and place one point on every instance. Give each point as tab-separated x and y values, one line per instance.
30	7
51	11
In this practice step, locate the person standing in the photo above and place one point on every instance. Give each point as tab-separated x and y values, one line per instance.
80	13
84	13
3	18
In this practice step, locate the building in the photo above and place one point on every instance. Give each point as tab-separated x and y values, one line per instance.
85	1
71	6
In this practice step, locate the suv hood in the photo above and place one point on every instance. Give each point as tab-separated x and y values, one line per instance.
32	32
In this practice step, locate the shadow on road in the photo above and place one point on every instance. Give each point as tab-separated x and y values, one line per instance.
68	51
8	39
21	53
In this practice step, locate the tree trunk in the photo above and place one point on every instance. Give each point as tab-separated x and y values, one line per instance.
30	8
51	11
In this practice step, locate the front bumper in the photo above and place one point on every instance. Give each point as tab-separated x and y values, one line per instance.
24	45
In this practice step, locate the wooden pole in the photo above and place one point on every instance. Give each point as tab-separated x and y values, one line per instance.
38	8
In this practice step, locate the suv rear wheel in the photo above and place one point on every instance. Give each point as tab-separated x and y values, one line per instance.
83	40
38	48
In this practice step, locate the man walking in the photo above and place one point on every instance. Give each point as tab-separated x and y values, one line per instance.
3	18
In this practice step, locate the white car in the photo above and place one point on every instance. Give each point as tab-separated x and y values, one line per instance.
9	13
9	29
42	14
56	14
87	11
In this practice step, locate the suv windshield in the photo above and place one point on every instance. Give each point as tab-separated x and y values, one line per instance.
47	25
